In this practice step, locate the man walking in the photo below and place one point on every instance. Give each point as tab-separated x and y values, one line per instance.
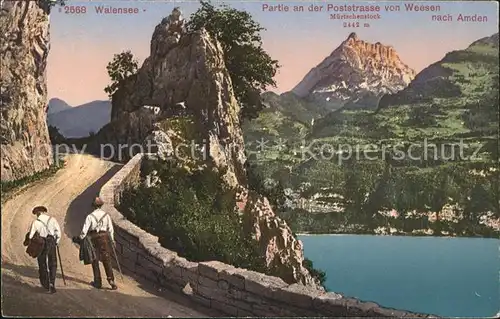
48	229
99	227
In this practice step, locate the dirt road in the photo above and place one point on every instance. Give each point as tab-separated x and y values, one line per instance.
68	195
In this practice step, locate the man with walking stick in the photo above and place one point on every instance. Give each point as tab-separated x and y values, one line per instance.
99	227
42	240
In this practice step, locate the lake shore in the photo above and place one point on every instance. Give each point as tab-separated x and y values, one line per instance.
398	234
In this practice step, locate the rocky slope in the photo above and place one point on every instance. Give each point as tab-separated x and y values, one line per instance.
24	38
442	79
356	72
186	78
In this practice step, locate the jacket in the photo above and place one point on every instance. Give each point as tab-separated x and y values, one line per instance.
87	251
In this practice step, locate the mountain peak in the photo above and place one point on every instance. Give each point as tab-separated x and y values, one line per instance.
353	36
57	105
354	68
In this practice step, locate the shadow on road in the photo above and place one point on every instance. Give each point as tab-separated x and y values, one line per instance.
13	299
32	272
167	294
21	299
77	211
80	207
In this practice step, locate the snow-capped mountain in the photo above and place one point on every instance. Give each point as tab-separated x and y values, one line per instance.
356	72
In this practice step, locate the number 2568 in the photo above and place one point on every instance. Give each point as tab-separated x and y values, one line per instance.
75	9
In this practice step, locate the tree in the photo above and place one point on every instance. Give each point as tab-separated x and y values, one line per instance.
256	182
120	68
250	67
55	136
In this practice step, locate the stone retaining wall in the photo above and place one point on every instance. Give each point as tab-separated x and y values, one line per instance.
234	291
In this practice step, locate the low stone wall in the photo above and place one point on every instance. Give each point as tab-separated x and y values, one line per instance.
234	291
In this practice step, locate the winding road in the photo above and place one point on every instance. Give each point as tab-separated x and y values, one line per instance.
68	195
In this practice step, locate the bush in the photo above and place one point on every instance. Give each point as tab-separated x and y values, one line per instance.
55	136
193	214
274	193
319	274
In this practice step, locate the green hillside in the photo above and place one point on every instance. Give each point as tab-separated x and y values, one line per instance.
429	147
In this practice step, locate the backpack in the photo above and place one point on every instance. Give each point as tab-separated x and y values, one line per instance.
37	243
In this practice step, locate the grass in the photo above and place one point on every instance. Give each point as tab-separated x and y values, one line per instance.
11	187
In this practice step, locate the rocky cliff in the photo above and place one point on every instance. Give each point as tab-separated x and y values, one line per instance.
24	38
354	70
186	79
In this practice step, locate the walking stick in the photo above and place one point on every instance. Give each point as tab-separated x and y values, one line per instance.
60	263
116	256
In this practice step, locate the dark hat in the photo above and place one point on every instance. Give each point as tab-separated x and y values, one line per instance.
39	209
98	202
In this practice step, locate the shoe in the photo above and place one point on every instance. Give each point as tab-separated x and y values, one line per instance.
52	289
113	285
96	285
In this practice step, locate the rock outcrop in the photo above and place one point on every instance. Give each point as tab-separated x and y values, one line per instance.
283	253
188	70
159	142
24	40
185	76
353	70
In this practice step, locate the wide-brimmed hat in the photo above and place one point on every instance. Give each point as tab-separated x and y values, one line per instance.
39	209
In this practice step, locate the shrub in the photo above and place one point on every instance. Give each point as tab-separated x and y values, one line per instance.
319	274
274	193
193	214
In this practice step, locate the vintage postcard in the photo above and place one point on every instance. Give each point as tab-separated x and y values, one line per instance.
250	158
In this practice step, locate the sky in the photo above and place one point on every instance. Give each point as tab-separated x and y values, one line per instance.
83	44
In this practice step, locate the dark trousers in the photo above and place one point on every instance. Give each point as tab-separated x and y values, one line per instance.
101	244
47	263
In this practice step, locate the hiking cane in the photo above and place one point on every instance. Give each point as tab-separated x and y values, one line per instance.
60	263
116	256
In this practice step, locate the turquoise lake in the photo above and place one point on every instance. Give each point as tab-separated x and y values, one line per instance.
450	277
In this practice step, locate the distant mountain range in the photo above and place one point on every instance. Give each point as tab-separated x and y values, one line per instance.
57	105
78	121
363	97
354	76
